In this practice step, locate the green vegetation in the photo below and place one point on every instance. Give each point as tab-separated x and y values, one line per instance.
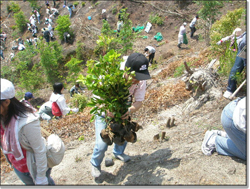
13	7
222	28
21	21
105	79
208	12
74	69
63	25
51	55
83	4
33	4
179	70
156	19
79	100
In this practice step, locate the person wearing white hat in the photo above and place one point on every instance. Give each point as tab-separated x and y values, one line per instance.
181	33
26	151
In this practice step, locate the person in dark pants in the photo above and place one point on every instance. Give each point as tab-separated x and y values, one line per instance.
192	25
46	36
238	67
1	53
150	53
66	37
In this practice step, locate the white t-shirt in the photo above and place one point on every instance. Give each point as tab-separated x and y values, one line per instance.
150	49
182	30
239	115
192	24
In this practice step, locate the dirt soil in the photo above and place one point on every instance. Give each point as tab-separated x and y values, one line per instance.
176	159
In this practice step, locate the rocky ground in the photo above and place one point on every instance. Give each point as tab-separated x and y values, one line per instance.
174	160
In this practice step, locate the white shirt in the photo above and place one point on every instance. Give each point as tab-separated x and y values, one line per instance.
182	30
240	116
61	102
150	49
21	47
192	24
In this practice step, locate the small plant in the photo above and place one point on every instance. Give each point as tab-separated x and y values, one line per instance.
79	100
75	3
156	19
114	10
97	3
77	159
179	70
74	68
81	138
83	4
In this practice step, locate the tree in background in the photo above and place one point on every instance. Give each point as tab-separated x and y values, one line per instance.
208	13
33	4
63	25
74	68
21	21
51	56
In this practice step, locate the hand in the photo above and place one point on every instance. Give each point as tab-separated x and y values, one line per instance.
218	43
110	114
41	181
126	115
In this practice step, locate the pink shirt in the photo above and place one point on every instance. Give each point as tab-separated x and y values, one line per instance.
20	165
138	91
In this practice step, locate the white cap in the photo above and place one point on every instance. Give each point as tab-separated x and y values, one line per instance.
68	35
184	23
7	89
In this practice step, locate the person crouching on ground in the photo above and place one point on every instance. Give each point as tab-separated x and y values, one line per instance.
233	141
139	63
28	96
150	53
21	126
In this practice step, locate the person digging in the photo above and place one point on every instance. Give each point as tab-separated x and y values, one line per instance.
138	63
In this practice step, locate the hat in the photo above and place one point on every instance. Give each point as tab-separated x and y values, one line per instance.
68	35
139	63
7	89
29	95
184	23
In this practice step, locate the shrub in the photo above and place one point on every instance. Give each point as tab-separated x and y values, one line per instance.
79	50
33	4
224	27
74	68
75	3
83	4
21	21
105	79
51	55
156	19
114	10
13	7
63	25
79	100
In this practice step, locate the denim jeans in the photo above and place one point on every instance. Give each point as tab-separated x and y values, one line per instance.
27	179
237	67
235	144
100	146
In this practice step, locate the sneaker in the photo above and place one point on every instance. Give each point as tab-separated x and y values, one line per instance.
96	171
227	94
208	144
220	133
179	45
123	157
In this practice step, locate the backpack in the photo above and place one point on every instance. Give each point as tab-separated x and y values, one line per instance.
56	110
55	150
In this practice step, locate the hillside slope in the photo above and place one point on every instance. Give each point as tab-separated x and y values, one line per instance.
176	160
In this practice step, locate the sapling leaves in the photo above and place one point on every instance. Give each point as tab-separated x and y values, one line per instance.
105	79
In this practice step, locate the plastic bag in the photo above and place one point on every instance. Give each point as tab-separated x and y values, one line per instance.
158	36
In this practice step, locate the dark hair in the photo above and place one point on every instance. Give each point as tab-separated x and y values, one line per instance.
58	88
26	98
146	49
77	85
16	108
197	16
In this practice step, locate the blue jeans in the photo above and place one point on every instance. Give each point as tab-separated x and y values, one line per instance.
235	144
27	179
237	67
100	146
